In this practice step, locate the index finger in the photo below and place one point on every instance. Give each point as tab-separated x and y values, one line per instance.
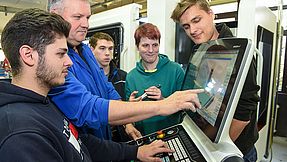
196	91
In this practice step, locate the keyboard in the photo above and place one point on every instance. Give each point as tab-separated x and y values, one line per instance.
177	140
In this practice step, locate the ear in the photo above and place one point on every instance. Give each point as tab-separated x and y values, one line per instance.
27	55
92	48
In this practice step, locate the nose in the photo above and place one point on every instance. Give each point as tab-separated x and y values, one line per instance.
108	52
68	62
150	48
85	22
192	30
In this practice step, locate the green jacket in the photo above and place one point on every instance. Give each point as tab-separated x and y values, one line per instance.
170	76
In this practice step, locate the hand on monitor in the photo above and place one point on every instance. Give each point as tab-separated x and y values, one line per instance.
148	152
182	100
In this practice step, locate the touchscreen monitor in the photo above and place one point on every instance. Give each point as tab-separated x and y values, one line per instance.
214	67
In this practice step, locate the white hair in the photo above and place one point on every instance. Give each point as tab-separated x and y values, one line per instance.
55	5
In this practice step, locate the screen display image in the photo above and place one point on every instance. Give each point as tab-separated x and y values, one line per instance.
213	74
214	68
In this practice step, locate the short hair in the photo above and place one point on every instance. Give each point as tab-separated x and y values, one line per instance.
55	5
58	5
146	30
33	27
99	35
183	5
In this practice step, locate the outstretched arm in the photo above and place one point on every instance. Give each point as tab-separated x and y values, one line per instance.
128	112
84	108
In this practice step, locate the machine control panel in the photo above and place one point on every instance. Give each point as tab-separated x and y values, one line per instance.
177	140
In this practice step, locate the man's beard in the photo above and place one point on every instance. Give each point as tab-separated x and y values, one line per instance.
46	74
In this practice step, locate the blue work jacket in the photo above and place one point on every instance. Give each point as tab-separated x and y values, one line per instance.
84	98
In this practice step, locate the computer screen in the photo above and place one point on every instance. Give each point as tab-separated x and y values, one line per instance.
214	67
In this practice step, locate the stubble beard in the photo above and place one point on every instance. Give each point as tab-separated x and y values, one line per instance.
45	75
